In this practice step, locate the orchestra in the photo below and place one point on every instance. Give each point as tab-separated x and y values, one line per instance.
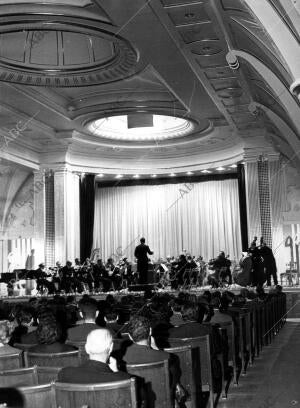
94	276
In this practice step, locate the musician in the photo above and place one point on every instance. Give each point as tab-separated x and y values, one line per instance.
68	279
85	274
126	271
140	253
77	264
113	273
177	272
40	275
269	263
189	274
101	276
221	266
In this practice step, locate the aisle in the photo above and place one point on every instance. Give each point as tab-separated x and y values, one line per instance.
274	379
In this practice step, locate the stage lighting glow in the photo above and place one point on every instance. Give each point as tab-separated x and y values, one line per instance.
164	127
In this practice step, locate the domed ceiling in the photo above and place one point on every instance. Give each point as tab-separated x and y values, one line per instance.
140	86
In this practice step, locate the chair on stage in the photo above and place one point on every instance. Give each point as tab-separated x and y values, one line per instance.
108	395
63	359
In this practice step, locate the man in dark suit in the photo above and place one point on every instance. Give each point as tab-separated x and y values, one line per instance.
143	349
89	312
269	263
100	367
40	275
140	253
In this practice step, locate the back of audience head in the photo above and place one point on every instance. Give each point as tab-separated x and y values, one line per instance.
88	308
99	344
4	332
110	316
190	312
24	317
139	328
48	331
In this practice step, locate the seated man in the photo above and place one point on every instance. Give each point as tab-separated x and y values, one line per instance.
100	367
88	312
111	321
144	350
191	315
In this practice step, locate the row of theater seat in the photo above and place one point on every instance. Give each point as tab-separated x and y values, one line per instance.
253	326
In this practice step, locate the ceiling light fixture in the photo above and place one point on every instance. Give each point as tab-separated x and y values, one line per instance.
136	127
205	171
100	175
119	175
172	175
189	173
220	168
154	175
136	176
233	166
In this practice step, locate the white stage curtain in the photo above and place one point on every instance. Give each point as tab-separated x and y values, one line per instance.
202	218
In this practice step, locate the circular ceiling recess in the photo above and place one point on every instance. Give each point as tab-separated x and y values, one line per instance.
64	56
141	127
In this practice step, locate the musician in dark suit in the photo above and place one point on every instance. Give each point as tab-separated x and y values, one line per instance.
101	367
140	253
101	276
40	275
68	280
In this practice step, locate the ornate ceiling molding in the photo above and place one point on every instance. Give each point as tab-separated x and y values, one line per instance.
62	51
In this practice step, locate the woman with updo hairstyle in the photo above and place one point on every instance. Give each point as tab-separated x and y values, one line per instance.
49	335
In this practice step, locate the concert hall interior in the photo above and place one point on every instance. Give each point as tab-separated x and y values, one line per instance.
176	121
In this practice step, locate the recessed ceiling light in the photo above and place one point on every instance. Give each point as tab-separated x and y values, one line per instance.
205	171
220	168
233	166
136	176
172	175
119	175
154	175
189	173
100	175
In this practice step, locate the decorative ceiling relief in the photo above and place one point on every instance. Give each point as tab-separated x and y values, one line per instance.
64	56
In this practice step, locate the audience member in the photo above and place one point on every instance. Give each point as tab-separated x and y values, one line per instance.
88	310
49	335
100	367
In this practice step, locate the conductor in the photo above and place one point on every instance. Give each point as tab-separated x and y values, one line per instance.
140	253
